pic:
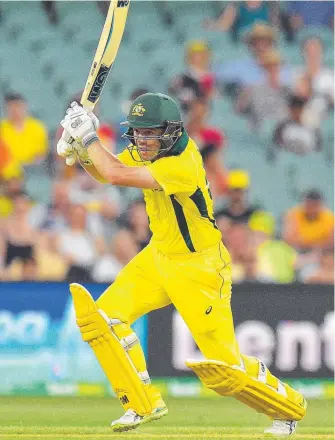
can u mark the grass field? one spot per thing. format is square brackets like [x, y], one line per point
[54, 418]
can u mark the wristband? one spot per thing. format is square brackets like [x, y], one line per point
[89, 139]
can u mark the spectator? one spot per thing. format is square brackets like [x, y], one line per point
[50, 265]
[309, 226]
[210, 141]
[9, 189]
[123, 249]
[198, 80]
[317, 80]
[20, 270]
[8, 166]
[249, 71]
[316, 106]
[321, 76]
[237, 17]
[310, 13]
[12, 188]
[81, 190]
[275, 259]
[292, 135]
[25, 136]
[324, 272]
[103, 202]
[103, 6]
[237, 240]
[55, 216]
[78, 246]
[237, 209]
[51, 11]
[18, 237]
[260, 101]
[137, 223]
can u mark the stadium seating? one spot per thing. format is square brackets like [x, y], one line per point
[49, 64]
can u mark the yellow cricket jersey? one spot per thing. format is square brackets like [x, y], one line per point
[316, 231]
[27, 145]
[181, 213]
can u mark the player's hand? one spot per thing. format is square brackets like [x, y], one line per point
[95, 120]
[71, 150]
[66, 148]
[80, 125]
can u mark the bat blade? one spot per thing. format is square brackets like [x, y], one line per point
[106, 52]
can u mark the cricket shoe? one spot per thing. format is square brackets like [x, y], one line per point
[281, 428]
[131, 420]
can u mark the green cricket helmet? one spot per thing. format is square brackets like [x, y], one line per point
[154, 110]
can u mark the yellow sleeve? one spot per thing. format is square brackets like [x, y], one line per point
[175, 174]
[126, 159]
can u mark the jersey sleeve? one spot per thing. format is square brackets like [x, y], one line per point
[174, 174]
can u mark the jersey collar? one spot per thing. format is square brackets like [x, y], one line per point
[180, 145]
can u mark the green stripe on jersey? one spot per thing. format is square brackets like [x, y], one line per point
[182, 223]
[199, 200]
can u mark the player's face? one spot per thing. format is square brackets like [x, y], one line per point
[148, 148]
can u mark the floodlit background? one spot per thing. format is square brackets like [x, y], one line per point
[255, 84]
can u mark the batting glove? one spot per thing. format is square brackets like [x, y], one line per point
[80, 125]
[66, 148]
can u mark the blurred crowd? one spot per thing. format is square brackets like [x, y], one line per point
[88, 231]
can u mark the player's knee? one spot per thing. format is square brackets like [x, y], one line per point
[122, 331]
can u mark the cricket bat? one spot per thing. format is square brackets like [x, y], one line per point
[106, 52]
[105, 55]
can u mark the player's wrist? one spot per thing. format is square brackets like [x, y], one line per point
[89, 139]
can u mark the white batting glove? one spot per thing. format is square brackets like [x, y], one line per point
[71, 150]
[66, 148]
[80, 125]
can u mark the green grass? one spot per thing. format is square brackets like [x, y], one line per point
[55, 418]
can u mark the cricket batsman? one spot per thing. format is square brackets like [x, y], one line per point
[185, 264]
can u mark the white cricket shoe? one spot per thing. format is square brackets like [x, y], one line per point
[131, 420]
[281, 428]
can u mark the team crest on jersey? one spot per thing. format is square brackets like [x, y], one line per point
[138, 110]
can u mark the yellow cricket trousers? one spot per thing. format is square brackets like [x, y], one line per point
[199, 286]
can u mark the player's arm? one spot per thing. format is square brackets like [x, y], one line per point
[116, 173]
[92, 171]
[98, 161]
[71, 151]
